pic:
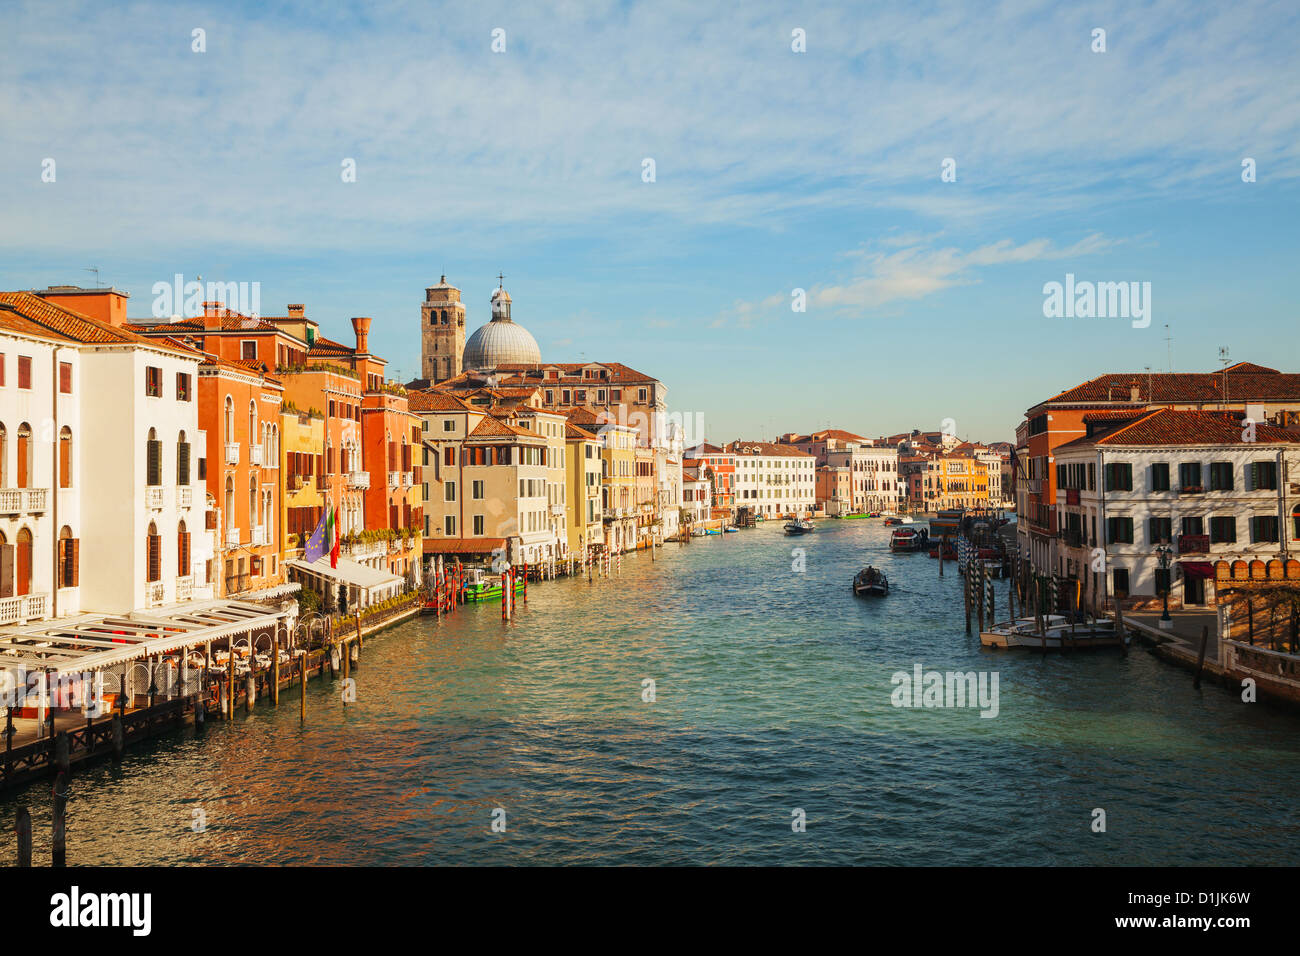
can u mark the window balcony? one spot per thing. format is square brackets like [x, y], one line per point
[185, 587]
[394, 479]
[232, 537]
[154, 496]
[232, 453]
[1191, 490]
[259, 534]
[17, 501]
[1193, 544]
[359, 479]
[557, 510]
[408, 478]
[26, 607]
[155, 593]
[184, 496]
[255, 454]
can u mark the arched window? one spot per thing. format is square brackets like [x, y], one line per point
[23, 563]
[252, 421]
[182, 459]
[444, 316]
[24, 470]
[153, 548]
[4, 457]
[1295, 513]
[69, 558]
[230, 419]
[230, 503]
[65, 457]
[153, 463]
[182, 549]
[252, 500]
[6, 567]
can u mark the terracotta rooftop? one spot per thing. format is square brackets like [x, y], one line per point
[434, 402]
[1181, 388]
[1168, 426]
[765, 448]
[24, 312]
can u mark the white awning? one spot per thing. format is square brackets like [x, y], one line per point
[92, 642]
[349, 572]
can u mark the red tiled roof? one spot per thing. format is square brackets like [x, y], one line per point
[1115, 415]
[491, 427]
[573, 431]
[1167, 426]
[1250, 368]
[1181, 388]
[64, 323]
[765, 448]
[432, 401]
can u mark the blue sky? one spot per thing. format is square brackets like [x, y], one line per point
[774, 170]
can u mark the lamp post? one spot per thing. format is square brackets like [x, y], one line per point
[1164, 553]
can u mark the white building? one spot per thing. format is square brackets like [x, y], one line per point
[99, 453]
[774, 480]
[874, 474]
[1181, 477]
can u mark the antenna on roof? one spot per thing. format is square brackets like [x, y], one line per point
[94, 269]
[1223, 357]
[1169, 347]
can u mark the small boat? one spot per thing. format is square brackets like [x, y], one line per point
[907, 539]
[860, 515]
[798, 526]
[1058, 634]
[870, 582]
[712, 531]
[731, 529]
[898, 519]
[481, 586]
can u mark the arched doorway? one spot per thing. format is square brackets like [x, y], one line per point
[153, 547]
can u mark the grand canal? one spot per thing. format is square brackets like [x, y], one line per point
[772, 693]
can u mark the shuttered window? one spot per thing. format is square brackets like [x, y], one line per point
[154, 455]
[153, 381]
[24, 371]
[154, 545]
[183, 463]
[1221, 476]
[65, 378]
[69, 556]
[183, 553]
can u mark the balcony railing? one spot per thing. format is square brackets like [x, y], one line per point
[25, 607]
[154, 496]
[557, 510]
[359, 479]
[254, 454]
[184, 496]
[184, 587]
[232, 453]
[394, 479]
[16, 501]
[232, 537]
[259, 534]
[407, 479]
[1191, 489]
[1193, 544]
[1072, 538]
[154, 593]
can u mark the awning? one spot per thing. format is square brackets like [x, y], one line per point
[348, 572]
[93, 642]
[1197, 569]
[463, 545]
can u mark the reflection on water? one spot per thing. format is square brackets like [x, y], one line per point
[773, 693]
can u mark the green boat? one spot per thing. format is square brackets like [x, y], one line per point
[480, 586]
[858, 516]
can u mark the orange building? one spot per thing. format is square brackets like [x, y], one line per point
[239, 409]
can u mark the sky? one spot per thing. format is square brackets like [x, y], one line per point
[774, 172]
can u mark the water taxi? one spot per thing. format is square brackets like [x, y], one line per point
[907, 539]
[798, 526]
[870, 582]
[1057, 634]
[481, 585]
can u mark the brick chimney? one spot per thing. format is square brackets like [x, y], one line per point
[213, 313]
[297, 310]
[361, 326]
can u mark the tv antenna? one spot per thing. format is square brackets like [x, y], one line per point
[1169, 346]
[94, 269]
[1223, 358]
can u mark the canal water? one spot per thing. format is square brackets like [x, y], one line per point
[772, 694]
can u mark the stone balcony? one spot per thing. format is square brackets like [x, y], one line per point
[19, 501]
[232, 453]
[232, 537]
[184, 496]
[255, 454]
[185, 587]
[359, 479]
[25, 607]
[155, 497]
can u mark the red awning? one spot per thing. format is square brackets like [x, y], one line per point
[1197, 569]
[463, 545]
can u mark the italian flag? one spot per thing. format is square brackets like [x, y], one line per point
[332, 537]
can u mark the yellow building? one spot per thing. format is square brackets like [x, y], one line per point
[618, 486]
[963, 480]
[302, 449]
[584, 518]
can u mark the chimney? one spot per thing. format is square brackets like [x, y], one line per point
[212, 315]
[361, 326]
[1133, 393]
[297, 310]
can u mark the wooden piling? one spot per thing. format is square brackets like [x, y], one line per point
[23, 830]
[62, 753]
[118, 737]
[1200, 658]
[965, 592]
[976, 570]
[1119, 624]
[275, 670]
[59, 856]
[302, 689]
[505, 595]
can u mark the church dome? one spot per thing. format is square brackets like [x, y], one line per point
[501, 341]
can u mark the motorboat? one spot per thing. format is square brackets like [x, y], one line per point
[798, 526]
[870, 582]
[483, 586]
[1058, 633]
[907, 539]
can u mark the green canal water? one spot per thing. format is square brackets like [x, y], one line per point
[773, 693]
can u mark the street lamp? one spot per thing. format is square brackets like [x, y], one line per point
[1165, 553]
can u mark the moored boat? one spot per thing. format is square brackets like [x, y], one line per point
[907, 539]
[1057, 633]
[870, 582]
[482, 586]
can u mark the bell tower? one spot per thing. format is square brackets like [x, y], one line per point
[442, 332]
